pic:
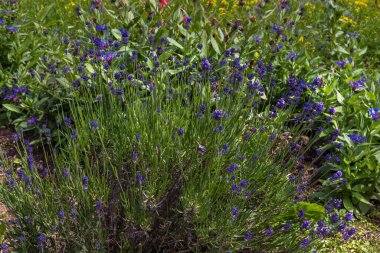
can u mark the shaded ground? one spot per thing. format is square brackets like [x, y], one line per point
[6, 148]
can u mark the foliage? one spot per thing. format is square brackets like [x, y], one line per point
[156, 113]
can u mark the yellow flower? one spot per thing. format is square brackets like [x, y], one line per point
[347, 20]
[361, 3]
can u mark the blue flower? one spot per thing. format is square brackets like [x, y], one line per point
[374, 113]
[101, 28]
[357, 138]
[12, 28]
[292, 56]
[341, 64]
[336, 175]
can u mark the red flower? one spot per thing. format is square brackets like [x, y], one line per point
[164, 2]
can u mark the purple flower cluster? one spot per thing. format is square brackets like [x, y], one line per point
[359, 84]
[356, 138]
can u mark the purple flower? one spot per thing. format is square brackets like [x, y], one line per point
[20, 173]
[244, 183]
[61, 216]
[351, 231]
[374, 113]
[235, 188]
[292, 56]
[94, 125]
[74, 135]
[235, 212]
[73, 214]
[31, 121]
[139, 178]
[348, 216]
[180, 131]
[329, 208]
[85, 183]
[348, 233]
[268, 231]
[42, 241]
[4, 248]
[305, 243]
[359, 84]
[342, 63]
[337, 203]
[301, 213]
[248, 236]
[334, 217]
[306, 225]
[336, 175]
[67, 121]
[101, 28]
[12, 28]
[281, 103]
[357, 139]
[331, 110]
[287, 226]
[232, 168]
[98, 206]
[218, 114]
[202, 149]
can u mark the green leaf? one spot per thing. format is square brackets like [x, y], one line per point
[362, 51]
[215, 45]
[175, 43]
[361, 198]
[348, 204]
[116, 33]
[342, 50]
[12, 107]
[360, 188]
[90, 68]
[339, 97]
[364, 208]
